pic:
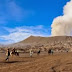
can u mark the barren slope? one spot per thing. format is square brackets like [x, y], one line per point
[39, 39]
[58, 43]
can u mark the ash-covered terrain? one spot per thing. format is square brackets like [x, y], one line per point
[57, 43]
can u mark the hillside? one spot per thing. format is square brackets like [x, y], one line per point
[44, 43]
[38, 39]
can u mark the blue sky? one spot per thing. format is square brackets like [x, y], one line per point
[21, 18]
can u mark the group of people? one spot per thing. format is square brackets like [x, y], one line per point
[8, 53]
[50, 51]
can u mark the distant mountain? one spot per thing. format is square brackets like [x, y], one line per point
[56, 42]
[38, 39]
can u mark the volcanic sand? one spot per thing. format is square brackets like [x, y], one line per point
[59, 62]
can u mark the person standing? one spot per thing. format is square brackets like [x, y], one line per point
[8, 54]
[31, 52]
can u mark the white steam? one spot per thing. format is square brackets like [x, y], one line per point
[62, 25]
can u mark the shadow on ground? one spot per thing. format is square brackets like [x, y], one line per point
[12, 62]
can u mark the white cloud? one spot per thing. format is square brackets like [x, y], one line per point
[62, 25]
[20, 33]
[24, 28]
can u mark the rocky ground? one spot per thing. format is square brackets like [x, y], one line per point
[59, 62]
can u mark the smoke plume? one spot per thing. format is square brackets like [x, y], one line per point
[62, 25]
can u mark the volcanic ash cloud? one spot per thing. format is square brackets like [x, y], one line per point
[62, 25]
